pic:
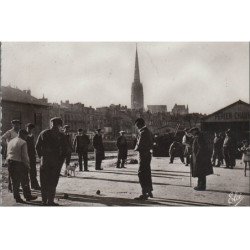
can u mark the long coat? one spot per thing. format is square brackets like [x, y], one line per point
[98, 146]
[200, 161]
[122, 146]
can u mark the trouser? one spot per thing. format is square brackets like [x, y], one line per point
[68, 158]
[144, 173]
[229, 157]
[49, 177]
[19, 175]
[187, 159]
[217, 155]
[120, 162]
[172, 158]
[33, 174]
[98, 159]
[202, 180]
[84, 156]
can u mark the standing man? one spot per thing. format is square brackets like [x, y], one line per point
[217, 150]
[81, 144]
[10, 134]
[229, 149]
[68, 141]
[187, 142]
[144, 146]
[51, 149]
[18, 165]
[200, 161]
[32, 156]
[99, 149]
[122, 146]
[6, 138]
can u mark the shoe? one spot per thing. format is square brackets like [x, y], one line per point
[31, 198]
[123, 167]
[86, 170]
[186, 164]
[53, 204]
[170, 162]
[20, 200]
[199, 188]
[150, 194]
[44, 203]
[80, 170]
[227, 167]
[99, 169]
[141, 198]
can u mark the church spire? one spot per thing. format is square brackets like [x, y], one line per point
[137, 72]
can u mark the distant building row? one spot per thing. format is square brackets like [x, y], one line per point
[20, 104]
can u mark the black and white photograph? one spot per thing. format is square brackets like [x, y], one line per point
[125, 124]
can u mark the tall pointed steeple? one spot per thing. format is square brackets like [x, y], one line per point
[137, 98]
[137, 71]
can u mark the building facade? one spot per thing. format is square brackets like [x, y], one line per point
[157, 109]
[21, 105]
[180, 110]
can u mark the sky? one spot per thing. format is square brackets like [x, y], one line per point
[206, 76]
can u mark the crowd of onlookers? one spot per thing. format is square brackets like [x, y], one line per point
[224, 149]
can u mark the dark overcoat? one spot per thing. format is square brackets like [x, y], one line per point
[200, 161]
[81, 143]
[122, 146]
[98, 146]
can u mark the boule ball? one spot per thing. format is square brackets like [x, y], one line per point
[98, 192]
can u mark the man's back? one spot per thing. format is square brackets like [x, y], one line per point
[51, 143]
[17, 150]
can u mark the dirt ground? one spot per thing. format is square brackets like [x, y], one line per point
[119, 187]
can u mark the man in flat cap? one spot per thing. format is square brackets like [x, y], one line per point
[32, 156]
[81, 144]
[201, 165]
[69, 148]
[6, 138]
[18, 165]
[99, 149]
[122, 146]
[144, 146]
[51, 149]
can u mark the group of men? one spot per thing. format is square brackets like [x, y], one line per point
[54, 147]
[224, 148]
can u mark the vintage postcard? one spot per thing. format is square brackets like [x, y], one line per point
[125, 124]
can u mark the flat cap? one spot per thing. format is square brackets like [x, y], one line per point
[98, 130]
[56, 120]
[66, 126]
[140, 121]
[30, 125]
[194, 129]
[16, 121]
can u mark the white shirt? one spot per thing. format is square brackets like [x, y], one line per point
[17, 151]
